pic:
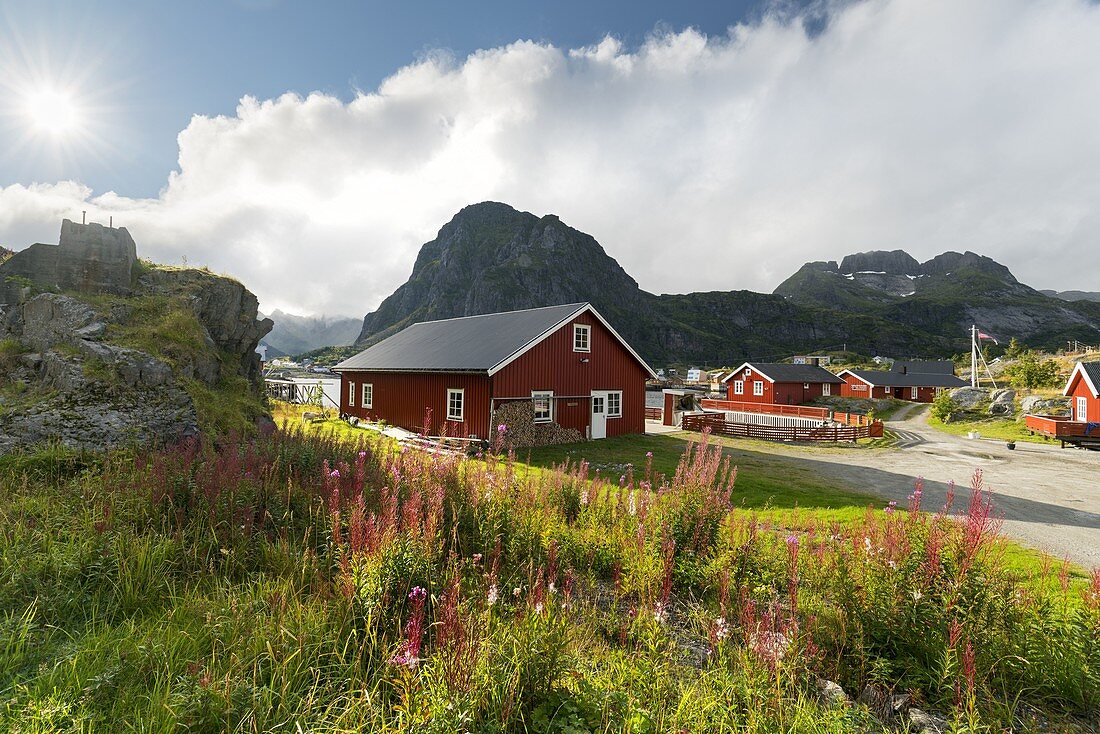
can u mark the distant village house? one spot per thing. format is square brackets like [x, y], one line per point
[916, 381]
[784, 384]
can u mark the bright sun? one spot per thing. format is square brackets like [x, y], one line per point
[52, 112]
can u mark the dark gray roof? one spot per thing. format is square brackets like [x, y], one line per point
[1092, 369]
[781, 372]
[897, 379]
[469, 343]
[919, 367]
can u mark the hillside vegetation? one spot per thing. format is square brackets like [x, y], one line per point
[298, 583]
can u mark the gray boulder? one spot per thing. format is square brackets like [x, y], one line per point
[831, 693]
[969, 398]
[1002, 402]
[927, 723]
[50, 319]
[1038, 405]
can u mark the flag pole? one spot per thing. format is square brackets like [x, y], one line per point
[973, 355]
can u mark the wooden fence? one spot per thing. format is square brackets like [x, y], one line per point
[654, 414]
[719, 426]
[798, 411]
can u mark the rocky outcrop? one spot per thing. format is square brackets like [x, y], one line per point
[1002, 402]
[970, 398]
[1038, 405]
[98, 373]
[226, 309]
[89, 258]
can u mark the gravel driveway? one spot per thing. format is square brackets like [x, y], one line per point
[1048, 497]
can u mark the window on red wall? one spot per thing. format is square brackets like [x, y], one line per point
[738, 387]
[758, 387]
[351, 394]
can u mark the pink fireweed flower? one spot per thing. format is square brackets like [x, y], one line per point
[649, 454]
[502, 428]
[891, 506]
[409, 652]
[494, 595]
[335, 474]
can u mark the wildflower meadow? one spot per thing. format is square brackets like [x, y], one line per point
[304, 582]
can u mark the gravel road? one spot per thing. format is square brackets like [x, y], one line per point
[1048, 497]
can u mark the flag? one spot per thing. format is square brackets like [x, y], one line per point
[983, 335]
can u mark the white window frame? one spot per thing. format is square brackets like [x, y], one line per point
[826, 389]
[366, 395]
[458, 417]
[618, 396]
[578, 330]
[738, 387]
[549, 395]
[805, 386]
[1081, 409]
[758, 387]
[351, 394]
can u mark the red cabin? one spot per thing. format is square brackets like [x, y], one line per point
[904, 385]
[567, 360]
[1082, 388]
[776, 383]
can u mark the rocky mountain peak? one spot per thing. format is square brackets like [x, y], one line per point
[953, 262]
[893, 262]
[491, 257]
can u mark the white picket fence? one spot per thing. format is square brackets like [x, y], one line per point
[767, 419]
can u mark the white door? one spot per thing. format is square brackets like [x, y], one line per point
[599, 415]
[1082, 409]
[914, 393]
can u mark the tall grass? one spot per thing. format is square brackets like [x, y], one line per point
[303, 582]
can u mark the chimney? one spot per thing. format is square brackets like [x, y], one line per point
[904, 369]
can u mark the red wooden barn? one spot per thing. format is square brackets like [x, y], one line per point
[566, 359]
[1084, 388]
[919, 382]
[783, 384]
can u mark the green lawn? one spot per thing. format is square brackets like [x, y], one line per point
[992, 427]
[773, 487]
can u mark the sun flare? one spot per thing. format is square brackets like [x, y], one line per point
[53, 112]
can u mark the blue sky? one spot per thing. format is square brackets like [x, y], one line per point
[149, 66]
[760, 135]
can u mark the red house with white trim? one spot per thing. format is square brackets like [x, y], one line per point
[1083, 388]
[918, 387]
[567, 359]
[777, 383]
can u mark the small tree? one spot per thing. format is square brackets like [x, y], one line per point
[1014, 349]
[943, 406]
[1028, 371]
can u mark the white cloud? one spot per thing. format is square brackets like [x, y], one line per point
[918, 124]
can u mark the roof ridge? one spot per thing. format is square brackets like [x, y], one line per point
[578, 306]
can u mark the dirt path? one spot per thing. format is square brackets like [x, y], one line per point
[1049, 497]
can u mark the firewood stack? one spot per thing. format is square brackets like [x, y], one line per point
[521, 431]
